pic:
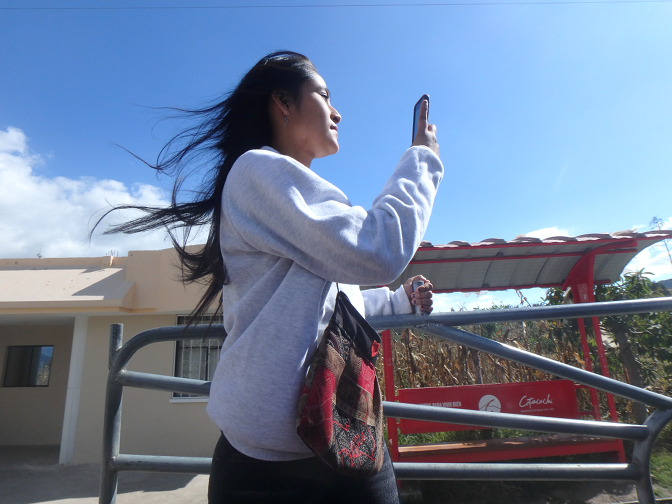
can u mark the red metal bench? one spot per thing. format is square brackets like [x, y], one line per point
[555, 398]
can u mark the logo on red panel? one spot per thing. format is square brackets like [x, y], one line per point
[533, 402]
[490, 403]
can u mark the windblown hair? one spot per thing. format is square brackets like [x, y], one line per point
[224, 131]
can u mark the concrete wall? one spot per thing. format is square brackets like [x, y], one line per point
[151, 424]
[34, 415]
[158, 284]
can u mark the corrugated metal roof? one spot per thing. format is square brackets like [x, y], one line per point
[524, 262]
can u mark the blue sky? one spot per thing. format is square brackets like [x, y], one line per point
[549, 116]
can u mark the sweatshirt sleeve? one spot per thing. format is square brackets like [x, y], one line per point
[383, 301]
[280, 207]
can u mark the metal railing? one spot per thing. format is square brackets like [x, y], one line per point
[441, 325]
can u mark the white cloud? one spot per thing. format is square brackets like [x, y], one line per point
[13, 140]
[485, 299]
[548, 232]
[52, 216]
[654, 259]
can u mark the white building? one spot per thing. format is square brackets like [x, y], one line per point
[55, 317]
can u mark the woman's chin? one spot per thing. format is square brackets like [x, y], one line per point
[333, 149]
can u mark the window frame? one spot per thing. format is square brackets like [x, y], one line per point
[6, 367]
[179, 397]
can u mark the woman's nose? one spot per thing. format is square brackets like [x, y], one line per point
[335, 116]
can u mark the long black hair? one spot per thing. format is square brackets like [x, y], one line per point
[224, 131]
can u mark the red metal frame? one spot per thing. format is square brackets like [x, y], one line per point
[581, 281]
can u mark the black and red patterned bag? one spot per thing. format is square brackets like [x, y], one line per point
[340, 416]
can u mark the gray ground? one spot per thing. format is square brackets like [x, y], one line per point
[32, 475]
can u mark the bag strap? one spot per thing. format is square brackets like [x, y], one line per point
[355, 328]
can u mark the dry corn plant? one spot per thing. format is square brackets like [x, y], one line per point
[422, 360]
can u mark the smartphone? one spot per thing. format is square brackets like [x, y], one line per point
[416, 114]
[417, 283]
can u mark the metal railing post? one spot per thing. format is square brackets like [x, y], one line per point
[641, 454]
[116, 337]
[112, 423]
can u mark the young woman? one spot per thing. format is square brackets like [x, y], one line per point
[281, 240]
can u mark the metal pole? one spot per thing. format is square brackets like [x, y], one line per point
[514, 421]
[517, 472]
[116, 337]
[525, 314]
[154, 463]
[641, 455]
[112, 423]
[160, 382]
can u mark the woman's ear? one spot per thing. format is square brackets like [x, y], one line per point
[280, 100]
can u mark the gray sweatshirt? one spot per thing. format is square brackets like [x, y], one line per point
[287, 236]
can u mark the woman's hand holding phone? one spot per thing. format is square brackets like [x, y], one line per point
[426, 133]
[420, 297]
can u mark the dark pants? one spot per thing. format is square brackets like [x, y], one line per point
[236, 478]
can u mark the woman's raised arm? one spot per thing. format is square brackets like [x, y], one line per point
[280, 207]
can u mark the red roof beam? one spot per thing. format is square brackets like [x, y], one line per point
[513, 258]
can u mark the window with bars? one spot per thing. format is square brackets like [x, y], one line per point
[197, 359]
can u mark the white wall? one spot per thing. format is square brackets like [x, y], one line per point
[34, 415]
[151, 424]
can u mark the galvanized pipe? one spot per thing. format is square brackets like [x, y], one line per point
[162, 382]
[426, 471]
[153, 463]
[423, 412]
[641, 455]
[554, 312]
[116, 337]
[111, 423]
[159, 334]
[402, 321]
[512, 421]
[517, 472]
